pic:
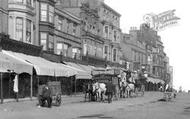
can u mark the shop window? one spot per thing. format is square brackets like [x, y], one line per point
[28, 31]
[19, 29]
[43, 41]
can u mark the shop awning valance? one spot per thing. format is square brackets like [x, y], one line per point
[45, 67]
[8, 63]
[82, 74]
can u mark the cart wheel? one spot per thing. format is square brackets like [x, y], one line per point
[58, 99]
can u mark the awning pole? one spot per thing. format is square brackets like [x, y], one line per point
[18, 89]
[31, 86]
[75, 85]
[1, 87]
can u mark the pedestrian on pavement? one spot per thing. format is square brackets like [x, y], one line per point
[46, 95]
[109, 91]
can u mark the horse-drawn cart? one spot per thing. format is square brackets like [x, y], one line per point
[103, 76]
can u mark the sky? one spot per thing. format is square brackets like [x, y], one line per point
[175, 38]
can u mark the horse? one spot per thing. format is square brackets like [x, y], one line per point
[99, 89]
[130, 88]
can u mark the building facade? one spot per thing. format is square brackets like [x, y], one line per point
[4, 16]
[111, 32]
[133, 50]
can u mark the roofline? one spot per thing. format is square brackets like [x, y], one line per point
[105, 5]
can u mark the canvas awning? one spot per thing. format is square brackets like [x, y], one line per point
[82, 74]
[10, 63]
[155, 80]
[44, 67]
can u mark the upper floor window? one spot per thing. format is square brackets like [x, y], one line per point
[60, 23]
[106, 31]
[44, 11]
[106, 50]
[19, 28]
[16, 1]
[74, 28]
[114, 55]
[115, 35]
[51, 13]
[43, 41]
[47, 12]
[28, 31]
[51, 43]
[25, 2]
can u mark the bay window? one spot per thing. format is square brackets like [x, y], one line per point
[51, 44]
[43, 41]
[51, 14]
[28, 31]
[19, 28]
[44, 10]
[59, 48]
[47, 13]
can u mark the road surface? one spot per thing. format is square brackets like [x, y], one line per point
[147, 107]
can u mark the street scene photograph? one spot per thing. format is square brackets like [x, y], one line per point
[94, 59]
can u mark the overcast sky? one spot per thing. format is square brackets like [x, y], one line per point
[175, 38]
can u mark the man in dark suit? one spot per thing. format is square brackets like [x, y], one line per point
[45, 96]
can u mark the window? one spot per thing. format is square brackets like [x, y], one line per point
[114, 54]
[59, 24]
[51, 13]
[16, 1]
[106, 31]
[28, 31]
[74, 28]
[44, 12]
[59, 48]
[19, 28]
[43, 37]
[51, 44]
[115, 36]
[74, 53]
[65, 50]
[47, 12]
[106, 50]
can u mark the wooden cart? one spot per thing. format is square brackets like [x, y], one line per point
[103, 76]
[55, 87]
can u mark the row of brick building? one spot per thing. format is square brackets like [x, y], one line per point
[81, 31]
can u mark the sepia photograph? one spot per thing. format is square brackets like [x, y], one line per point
[94, 59]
